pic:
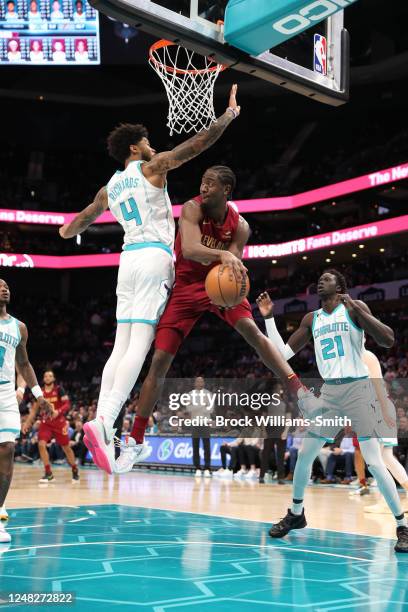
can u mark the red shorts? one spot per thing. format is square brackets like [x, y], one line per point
[186, 305]
[57, 428]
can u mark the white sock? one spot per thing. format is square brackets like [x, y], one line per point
[126, 372]
[297, 507]
[371, 452]
[401, 522]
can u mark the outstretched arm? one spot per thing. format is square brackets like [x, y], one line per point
[361, 314]
[169, 160]
[87, 216]
[297, 340]
[189, 228]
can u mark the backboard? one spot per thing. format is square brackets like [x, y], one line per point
[197, 25]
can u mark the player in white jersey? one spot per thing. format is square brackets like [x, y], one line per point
[337, 330]
[13, 343]
[138, 199]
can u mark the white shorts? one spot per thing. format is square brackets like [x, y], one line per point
[354, 400]
[386, 435]
[145, 280]
[9, 414]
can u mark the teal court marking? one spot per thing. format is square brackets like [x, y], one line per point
[115, 556]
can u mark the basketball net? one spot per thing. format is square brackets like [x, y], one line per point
[189, 79]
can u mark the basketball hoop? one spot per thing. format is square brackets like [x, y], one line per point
[189, 79]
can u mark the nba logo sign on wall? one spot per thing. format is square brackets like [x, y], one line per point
[320, 54]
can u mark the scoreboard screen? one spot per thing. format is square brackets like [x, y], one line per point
[48, 32]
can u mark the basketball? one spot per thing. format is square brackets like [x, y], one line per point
[224, 290]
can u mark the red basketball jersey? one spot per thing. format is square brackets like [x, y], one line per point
[213, 236]
[54, 397]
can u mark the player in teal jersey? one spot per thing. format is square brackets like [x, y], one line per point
[337, 330]
[137, 197]
[13, 350]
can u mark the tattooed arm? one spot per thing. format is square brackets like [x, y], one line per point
[87, 216]
[169, 160]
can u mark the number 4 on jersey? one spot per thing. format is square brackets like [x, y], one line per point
[130, 211]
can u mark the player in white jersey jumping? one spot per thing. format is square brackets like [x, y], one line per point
[13, 349]
[337, 330]
[138, 199]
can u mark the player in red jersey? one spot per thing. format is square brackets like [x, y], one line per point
[211, 231]
[53, 426]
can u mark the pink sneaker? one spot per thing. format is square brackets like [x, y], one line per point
[100, 445]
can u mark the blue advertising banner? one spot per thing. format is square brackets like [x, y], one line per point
[179, 450]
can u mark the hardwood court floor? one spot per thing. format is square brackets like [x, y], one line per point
[327, 507]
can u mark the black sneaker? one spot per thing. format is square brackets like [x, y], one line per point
[75, 476]
[402, 544]
[47, 478]
[261, 480]
[289, 522]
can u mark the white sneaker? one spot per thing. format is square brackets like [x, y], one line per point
[240, 475]
[3, 514]
[130, 453]
[4, 535]
[100, 442]
[219, 473]
[207, 474]
[251, 475]
[360, 491]
[198, 474]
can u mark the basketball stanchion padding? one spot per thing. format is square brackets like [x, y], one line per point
[255, 26]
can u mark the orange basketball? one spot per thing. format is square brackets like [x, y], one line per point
[224, 291]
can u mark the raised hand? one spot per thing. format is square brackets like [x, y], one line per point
[233, 101]
[265, 305]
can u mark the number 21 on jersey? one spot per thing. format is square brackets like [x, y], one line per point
[332, 347]
[130, 211]
[2, 354]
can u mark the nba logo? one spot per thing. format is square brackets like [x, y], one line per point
[320, 54]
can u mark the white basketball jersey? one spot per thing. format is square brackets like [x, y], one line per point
[144, 211]
[9, 340]
[339, 345]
